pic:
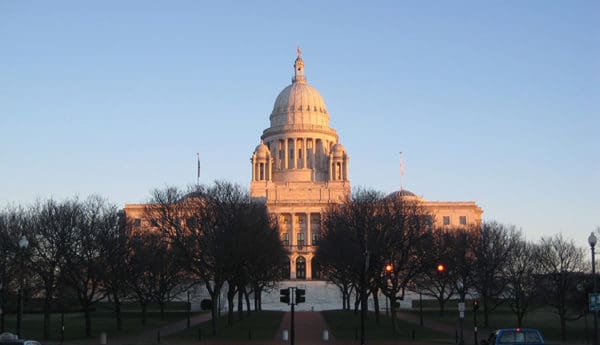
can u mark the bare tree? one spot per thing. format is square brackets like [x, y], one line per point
[262, 252]
[363, 235]
[405, 228]
[562, 266]
[492, 252]
[114, 243]
[214, 229]
[523, 273]
[52, 223]
[438, 283]
[11, 227]
[85, 260]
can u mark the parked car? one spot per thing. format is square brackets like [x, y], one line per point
[518, 336]
[12, 339]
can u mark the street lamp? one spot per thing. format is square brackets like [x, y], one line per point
[592, 240]
[461, 311]
[388, 276]
[23, 244]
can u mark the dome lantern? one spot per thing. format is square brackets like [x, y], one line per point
[299, 68]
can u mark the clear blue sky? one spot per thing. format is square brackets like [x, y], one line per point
[491, 101]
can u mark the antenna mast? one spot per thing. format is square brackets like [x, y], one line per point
[401, 172]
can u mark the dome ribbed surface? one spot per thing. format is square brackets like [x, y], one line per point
[299, 97]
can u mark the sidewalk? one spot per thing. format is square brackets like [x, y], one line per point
[309, 328]
[148, 337]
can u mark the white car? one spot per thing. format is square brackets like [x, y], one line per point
[12, 339]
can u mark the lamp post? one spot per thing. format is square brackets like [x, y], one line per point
[1, 309]
[363, 298]
[23, 244]
[388, 277]
[581, 288]
[188, 308]
[461, 311]
[592, 240]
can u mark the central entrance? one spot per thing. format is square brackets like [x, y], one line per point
[300, 268]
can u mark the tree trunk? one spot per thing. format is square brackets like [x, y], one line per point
[486, 319]
[162, 309]
[88, 321]
[118, 315]
[376, 305]
[230, 296]
[240, 306]
[213, 313]
[47, 313]
[393, 312]
[563, 327]
[144, 313]
[441, 302]
[247, 295]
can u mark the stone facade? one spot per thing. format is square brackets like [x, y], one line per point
[299, 168]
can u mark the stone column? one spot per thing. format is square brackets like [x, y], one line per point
[308, 266]
[253, 160]
[271, 163]
[347, 162]
[285, 153]
[309, 229]
[304, 151]
[293, 266]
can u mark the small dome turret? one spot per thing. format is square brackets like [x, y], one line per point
[262, 151]
[338, 150]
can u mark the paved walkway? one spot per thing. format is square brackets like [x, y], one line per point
[148, 337]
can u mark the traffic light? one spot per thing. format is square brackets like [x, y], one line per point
[300, 296]
[285, 296]
[475, 304]
[441, 268]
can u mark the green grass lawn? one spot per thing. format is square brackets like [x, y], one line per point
[259, 325]
[345, 324]
[542, 318]
[102, 321]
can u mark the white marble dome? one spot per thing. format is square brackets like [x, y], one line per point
[299, 97]
[299, 104]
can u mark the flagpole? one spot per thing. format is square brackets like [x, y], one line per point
[198, 173]
[401, 172]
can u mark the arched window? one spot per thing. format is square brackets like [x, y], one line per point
[300, 268]
[286, 270]
[316, 268]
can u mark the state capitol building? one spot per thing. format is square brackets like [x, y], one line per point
[300, 168]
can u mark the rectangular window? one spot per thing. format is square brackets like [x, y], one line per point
[285, 239]
[315, 239]
[300, 238]
[154, 223]
[137, 222]
[463, 220]
[446, 220]
[429, 222]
